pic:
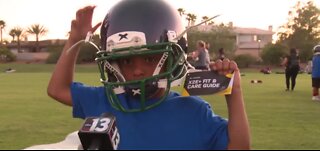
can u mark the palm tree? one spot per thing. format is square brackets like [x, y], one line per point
[205, 18]
[191, 18]
[12, 34]
[2, 25]
[211, 22]
[189, 15]
[181, 11]
[38, 30]
[18, 32]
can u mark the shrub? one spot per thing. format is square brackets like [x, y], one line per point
[244, 60]
[6, 55]
[272, 54]
[87, 53]
[55, 52]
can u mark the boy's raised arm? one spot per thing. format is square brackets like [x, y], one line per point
[62, 76]
[238, 125]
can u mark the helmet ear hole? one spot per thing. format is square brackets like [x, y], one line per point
[182, 42]
[164, 36]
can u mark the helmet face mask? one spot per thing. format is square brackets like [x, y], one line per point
[172, 61]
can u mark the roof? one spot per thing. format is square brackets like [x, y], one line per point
[241, 30]
[257, 31]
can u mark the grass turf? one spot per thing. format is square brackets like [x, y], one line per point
[278, 119]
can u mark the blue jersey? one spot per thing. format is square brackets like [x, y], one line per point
[178, 123]
[316, 66]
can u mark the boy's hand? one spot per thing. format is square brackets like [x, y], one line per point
[225, 67]
[82, 24]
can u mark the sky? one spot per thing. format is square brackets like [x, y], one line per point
[56, 15]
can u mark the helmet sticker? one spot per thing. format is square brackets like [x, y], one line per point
[125, 39]
[172, 35]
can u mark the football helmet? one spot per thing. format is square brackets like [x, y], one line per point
[139, 28]
[316, 49]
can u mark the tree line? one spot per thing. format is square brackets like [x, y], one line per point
[17, 33]
[302, 31]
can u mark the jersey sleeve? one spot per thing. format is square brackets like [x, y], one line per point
[87, 101]
[214, 129]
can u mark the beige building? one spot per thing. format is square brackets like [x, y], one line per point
[28, 47]
[249, 40]
[252, 40]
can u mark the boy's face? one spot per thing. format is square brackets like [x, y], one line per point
[140, 67]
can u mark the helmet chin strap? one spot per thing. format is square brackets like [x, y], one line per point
[162, 83]
[114, 68]
[151, 87]
[88, 39]
[160, 63]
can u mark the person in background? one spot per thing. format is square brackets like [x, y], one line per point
[266, 70]
[201, 56]
[292, 68]
[308, 68]
[316, 73]
[207, 46]
[221, 54]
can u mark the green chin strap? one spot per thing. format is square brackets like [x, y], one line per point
[175, 69]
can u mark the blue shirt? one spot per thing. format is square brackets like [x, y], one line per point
[316, 66]
[178, 123]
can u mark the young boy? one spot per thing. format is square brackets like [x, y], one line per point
[316, 73]
[140, 60]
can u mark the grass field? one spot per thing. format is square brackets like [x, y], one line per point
[278, 119]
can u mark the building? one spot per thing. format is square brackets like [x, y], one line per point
[28, 47]
[248, 40]
[252, 40]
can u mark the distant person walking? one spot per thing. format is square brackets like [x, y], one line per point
[316, 73]
[291, 63]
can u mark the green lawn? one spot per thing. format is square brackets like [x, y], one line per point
[278, 119]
